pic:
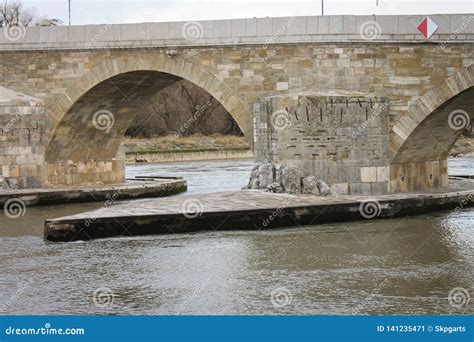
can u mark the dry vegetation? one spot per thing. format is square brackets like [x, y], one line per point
[196, 142]
[185, 108]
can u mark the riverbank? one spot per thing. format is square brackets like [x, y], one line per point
[178, 149]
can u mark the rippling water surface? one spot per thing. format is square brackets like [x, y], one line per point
[398, 266]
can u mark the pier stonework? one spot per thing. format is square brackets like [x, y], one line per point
[22, 140]
[93, 79]
[340, 138]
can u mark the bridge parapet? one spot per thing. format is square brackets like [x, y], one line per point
[452, 28]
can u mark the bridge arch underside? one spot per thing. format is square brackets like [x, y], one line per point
[421, 161]
[84, 148]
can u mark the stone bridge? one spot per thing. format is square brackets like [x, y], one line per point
[376, 97]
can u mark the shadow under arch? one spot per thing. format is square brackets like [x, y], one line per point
[97, 110]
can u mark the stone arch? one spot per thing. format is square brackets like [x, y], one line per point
[160, 63]
[426, 106]
[78, 152]
[421, 140]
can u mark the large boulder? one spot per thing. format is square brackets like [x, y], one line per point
[275, 187]
[291, 179]
[277, 170]
[309, 185]
[254, 178]
[265, 175]
[323, 188]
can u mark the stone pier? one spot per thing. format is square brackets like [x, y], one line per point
[22, 140]
[338, 137]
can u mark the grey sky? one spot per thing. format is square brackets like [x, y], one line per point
[123, 11]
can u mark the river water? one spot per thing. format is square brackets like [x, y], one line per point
[398, 266]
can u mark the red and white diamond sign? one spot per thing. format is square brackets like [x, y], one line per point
[427, 27]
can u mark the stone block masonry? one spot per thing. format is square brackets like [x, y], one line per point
[22, 140]
[340, 137]
[74, 71]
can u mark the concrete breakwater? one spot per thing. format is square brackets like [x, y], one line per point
[166, 156]
[16, 200]
[250, 210]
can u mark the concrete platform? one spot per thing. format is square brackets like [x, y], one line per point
[248, 210]
[138, 188]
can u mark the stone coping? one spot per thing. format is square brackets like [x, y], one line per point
[453, 28]
[115, 192]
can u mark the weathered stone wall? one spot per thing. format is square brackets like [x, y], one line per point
[341, 138]
[401, 72]
[22, 140]
[236, 76]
